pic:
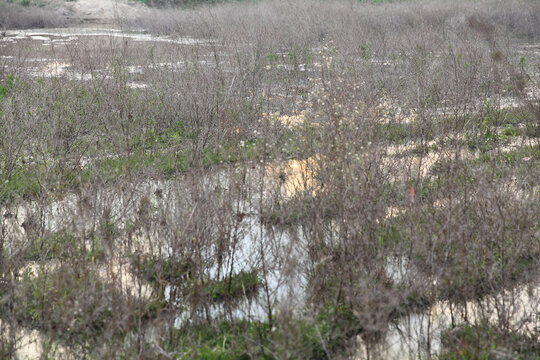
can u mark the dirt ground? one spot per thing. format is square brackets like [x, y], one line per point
[96, 11]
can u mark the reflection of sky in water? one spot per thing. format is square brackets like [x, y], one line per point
[409, 337]
[53, 67]
[279, 269]
[72, 33]
[294, 177]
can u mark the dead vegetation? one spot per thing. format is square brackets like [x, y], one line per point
[14, 16]
[342, 180]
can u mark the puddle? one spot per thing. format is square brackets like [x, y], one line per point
[294, 177]
[278, 269]
[132, 69]
[32, 345]
[134, 85]
[59, 69]
[116, 272]
[287, 120]
[412, 335]
[73, 33]
[398, 269]
[299, 67]
[419, 335]
[171, 66]
[119, 272]
[40, 38]
[282, 251]
[53, 69]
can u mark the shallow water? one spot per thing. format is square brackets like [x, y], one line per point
[32, 345]
[56, 60]
[419, 335]
[72, 34]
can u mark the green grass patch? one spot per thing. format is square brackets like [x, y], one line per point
[28, 181]
[244, 284]
[64, 246]
[72, 303]
[398, 133]
[180, 273]
[526, 155]
[156, 270]
[23, 183]
[485, 341]
[223, 340]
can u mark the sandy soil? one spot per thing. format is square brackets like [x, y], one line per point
[96, 11]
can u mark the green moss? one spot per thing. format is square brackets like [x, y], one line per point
[171, 161]
[232, 152]
[484, 139]
[532, 129]
[170, 164]
[509, 131]
[180, 273]
[387, 235]
[124, 165]
[27, 181]
[152, 308]
[7, 86]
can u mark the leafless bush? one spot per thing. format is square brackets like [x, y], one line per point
[17, 17]
[306, 188]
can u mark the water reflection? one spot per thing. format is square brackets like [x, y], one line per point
[418, 335]
[294, 177]
[71, 34]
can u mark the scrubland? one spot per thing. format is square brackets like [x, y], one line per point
[273, 180]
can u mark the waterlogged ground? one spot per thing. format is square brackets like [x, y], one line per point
[256, 190]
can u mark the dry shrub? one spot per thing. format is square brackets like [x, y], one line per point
[411, 194]
[16, 17]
